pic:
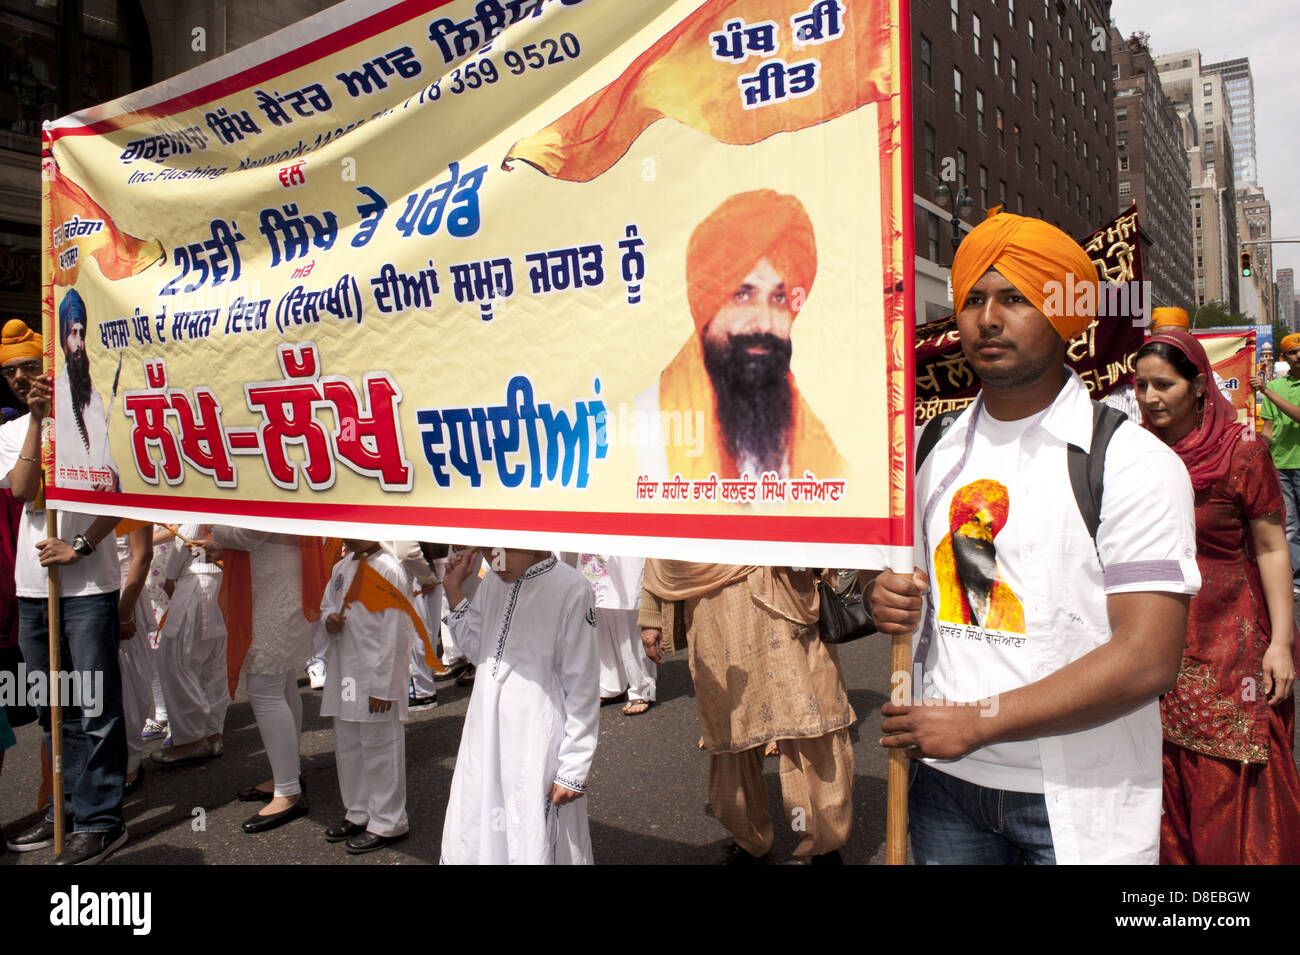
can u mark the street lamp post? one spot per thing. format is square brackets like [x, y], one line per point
[961, 206]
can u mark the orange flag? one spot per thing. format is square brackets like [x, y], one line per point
[377, 594]
[737, 70]
[80, 227]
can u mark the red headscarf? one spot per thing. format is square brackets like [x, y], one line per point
[1207, 449]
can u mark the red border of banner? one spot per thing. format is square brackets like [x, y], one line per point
[722, 527]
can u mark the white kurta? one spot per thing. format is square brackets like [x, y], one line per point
[372, 651]
[533, 720]
[616, 584]
[135, 661]
[281, 634]
[193, 644]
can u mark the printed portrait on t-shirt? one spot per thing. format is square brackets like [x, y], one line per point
[972, 588]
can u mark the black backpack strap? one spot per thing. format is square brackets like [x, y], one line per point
[1087, 469]
[931, 433]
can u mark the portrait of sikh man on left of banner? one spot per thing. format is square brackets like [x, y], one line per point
[82, 451]
[750, 266]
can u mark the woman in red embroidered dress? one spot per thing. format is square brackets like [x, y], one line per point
[1231, 790]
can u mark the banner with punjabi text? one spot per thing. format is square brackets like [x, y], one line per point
[568, 274]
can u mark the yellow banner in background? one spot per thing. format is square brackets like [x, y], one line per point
[601, 276]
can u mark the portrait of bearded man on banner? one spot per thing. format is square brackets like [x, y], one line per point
[82, 451]
[750, 266]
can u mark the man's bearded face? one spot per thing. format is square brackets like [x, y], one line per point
[77, 363]
[747, 353]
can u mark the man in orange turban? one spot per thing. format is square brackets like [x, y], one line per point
[1169, 317]
[1068, 667]
[749, 268]
[20, 357]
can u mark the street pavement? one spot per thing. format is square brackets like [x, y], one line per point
[648, 799]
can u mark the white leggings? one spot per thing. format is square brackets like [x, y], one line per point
[278, 710]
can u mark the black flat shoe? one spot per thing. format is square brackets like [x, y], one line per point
[259, 823]
[343, 830]
[369, 842]
[136, 783]
[253, 794]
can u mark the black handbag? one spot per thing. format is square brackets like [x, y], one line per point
[843, 617]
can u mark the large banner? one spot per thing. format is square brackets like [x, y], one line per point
[1102, 354]
[1232, 359]
[626, 277]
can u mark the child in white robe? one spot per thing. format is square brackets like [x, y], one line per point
[134, 656]
[365, 691]
[519, 791]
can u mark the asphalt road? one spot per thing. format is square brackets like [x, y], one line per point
[648, 789]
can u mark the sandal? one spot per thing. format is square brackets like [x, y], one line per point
[636, 707]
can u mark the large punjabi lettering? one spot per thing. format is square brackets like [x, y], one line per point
[822, 21]
[737, 41]
[304, 102]
[159, 147]
[301, 307]
[367, 439]
[370, 77]
[556, 270]
[483, 282]
[181, 431]
[396, 291]
[460, 38]
[231, 127]
[291, 235]
[777, 81]
[424, 210]
[370, 212]
[215, 258]
[522, 438]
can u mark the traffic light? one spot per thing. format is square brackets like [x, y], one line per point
[1245, 264]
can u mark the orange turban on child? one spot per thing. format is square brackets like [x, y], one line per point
[19, 341]
[726, 246]
[1030, 254]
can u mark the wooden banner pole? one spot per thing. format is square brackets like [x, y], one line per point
[56, 704]
[900, 765]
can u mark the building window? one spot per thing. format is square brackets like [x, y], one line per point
[932, 238]
[1002, 194]
[1020, 204]
[1209, 147]
[956, 90]
[1048, 49]
[1207, 89]
[998, 120]
[997, 57]
[1060, 72]
[1056, 188]
[1124, 188]
[1087, 205]
[1033, 95]
[1015, 136]
[979, 109]
[984, 188]
[930, 159]
[1114, 71]
[961, 165]
[1015, 77]
[1011, 13]
[1038, 163]
[1121, 115]
[1067, 187]
[1123, 160]
[952, 5]
[926, 51]
[1200, 262]
[976, 32]
[1198, 222]
[1029, 24]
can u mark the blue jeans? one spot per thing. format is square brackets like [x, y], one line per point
[1291, 497]
[94, 744]
[953, 822]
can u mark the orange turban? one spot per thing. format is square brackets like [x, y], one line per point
[978, 496]
[726, 246]
[1032, 255]
[19, 341]
[1289, 342]
[1176, 317]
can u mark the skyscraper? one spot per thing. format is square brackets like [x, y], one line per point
[1240, 89]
